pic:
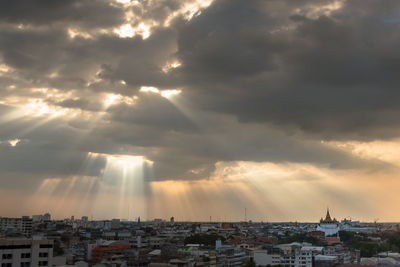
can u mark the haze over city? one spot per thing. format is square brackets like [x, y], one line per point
[199, 108]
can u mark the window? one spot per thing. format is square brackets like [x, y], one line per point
[42, 263]
[43, 255]
[46, 246]
[25, 264]
[7, 256]
[6, 265]
[25, 255]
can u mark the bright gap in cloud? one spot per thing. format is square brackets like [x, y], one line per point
[38, 108]
[164, 93]
[149, 89]
[111, 99]
[14, 142]
[4, 68]
[170, 93]
[315, 11]
[127, 31]
[124, 161]
[170, 66]
[73, 33]
[188, 10]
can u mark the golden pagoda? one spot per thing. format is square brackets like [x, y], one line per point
[328, 218]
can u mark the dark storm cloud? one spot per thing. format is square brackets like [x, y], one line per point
[331, 75]
[154, 111]
[98, 64]
[260, 80]
[86, 13]
[192, 154]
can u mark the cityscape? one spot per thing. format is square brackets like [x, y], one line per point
[41, 241]
[199, 133]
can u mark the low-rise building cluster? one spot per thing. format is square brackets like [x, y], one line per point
[40, 241]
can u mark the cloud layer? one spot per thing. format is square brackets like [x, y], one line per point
[277, 82]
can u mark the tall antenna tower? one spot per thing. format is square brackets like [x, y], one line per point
[245, 214]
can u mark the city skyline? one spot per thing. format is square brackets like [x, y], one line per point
[199, 108]
[205, 221]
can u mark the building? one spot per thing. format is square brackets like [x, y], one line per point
[291, 255]
[41, 218]
[115, 223]
[37, 218]
[328, 225]
[108, 248]
[356, 226]
[22, 225]
[325, 261]
[47, 217]
[26, 253]
[265, 257]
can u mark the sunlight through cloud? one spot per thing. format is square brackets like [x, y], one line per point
[112, 99]
[127, 31]
[170, 66]
[170, 93]
[164, 93]
[149, 89]
[4, 68]
[14, 142]
[123, 180]
[73, 33]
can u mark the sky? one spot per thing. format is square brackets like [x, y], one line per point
[200, 109]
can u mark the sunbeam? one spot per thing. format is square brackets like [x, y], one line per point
[123, 180]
